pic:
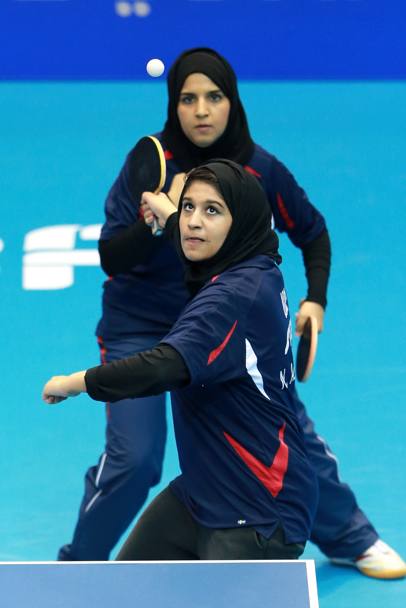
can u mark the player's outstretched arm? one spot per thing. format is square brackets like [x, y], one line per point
[147, 373]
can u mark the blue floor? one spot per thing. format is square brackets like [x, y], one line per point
[61, 146]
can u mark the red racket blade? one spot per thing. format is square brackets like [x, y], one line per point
[306, 350]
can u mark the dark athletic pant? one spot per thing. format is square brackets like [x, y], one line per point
[116, 488]
[167, 531]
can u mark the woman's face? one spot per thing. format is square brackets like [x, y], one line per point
[203, 110]
[204, 221]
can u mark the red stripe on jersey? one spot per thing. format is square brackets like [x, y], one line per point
[168, 155]
[252, 171]
[284, 212]
[217, 351]
[216, 276]
[271, 477]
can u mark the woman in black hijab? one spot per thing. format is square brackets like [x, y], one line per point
[235, 143]
[251, 231]
[246, 490]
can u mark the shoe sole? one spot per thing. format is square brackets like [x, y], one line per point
[371, 573]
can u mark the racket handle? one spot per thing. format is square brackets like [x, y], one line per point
[155, 229]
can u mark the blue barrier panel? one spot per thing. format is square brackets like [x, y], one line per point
[280, 584]
[264, 39]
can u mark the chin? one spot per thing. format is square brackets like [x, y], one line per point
[203, 143]
[194, 256]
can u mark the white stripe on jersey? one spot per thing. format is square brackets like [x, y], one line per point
[252, 368]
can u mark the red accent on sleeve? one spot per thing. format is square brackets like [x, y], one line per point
[252, 171]
[217, 351]
[284, 212]
[168, 155]
[216, 276]
[271, 477]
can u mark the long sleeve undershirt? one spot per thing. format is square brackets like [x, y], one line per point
[317, 261]
[134, 245]
[148, 373]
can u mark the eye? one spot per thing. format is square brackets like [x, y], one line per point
[216, 96]
[186, 99]
[212, 210]
[186, 206]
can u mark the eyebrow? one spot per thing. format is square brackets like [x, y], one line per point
[193, 93]
[208, 201]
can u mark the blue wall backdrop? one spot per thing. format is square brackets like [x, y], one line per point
[278, 39]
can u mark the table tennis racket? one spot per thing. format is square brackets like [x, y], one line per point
[147, 171]
[306, 350]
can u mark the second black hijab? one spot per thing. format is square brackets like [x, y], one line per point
[235, 143]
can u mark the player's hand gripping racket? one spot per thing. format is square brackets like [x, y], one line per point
[306, 350]
[147, 171]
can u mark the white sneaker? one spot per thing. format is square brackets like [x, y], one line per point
[379, 561]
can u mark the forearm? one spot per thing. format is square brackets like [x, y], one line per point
[149, 373]
[133, 246]
[317, 261]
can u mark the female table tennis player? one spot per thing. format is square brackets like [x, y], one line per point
[246, 489]
[146, 294]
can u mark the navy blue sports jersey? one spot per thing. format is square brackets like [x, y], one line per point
[241, 448]
[150, 298]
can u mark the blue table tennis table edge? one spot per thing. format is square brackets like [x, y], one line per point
[309, 565]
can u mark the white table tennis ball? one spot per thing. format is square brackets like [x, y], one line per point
[155, 68]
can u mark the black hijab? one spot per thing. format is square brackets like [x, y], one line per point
[235, 143]
[250, 233]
